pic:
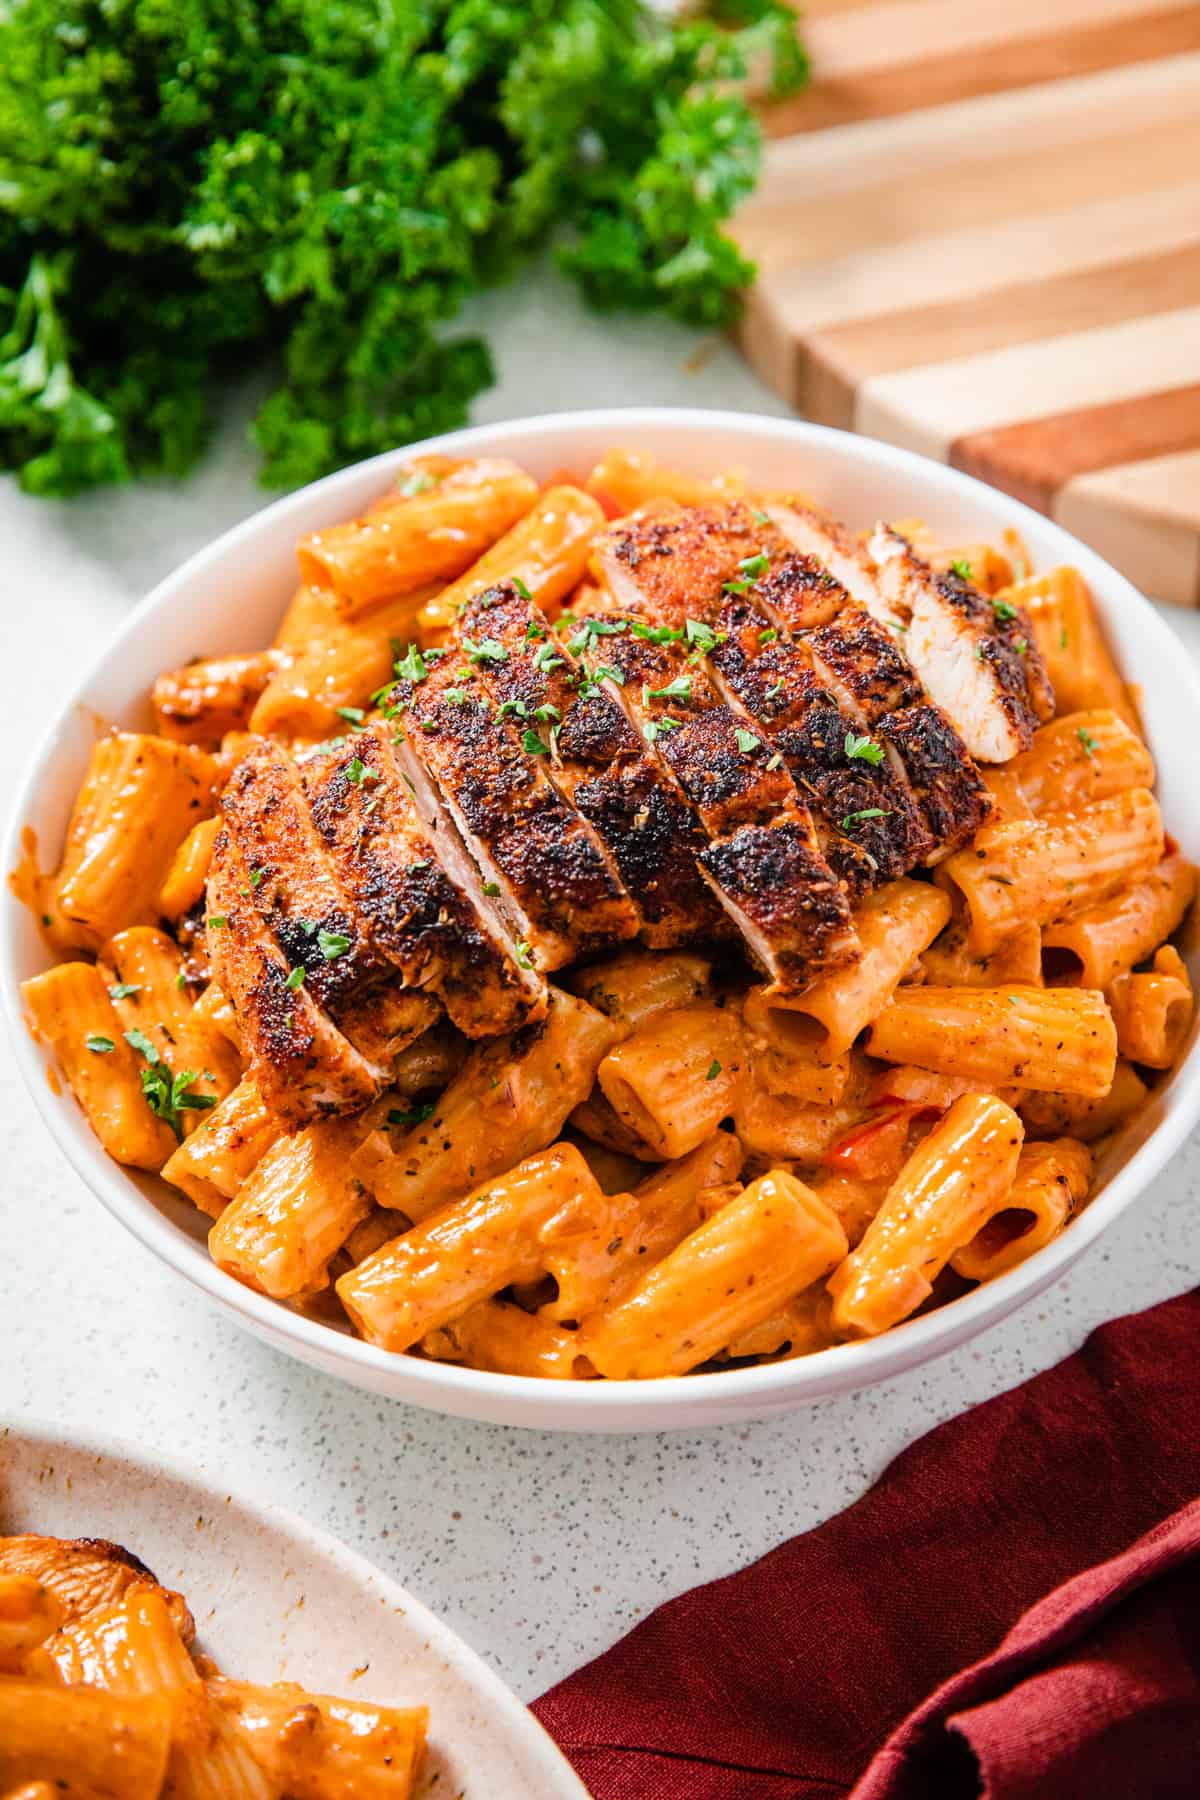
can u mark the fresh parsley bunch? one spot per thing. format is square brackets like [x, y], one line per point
[189, 187]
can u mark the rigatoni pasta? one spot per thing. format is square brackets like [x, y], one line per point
[843, 850]
[106, 1699]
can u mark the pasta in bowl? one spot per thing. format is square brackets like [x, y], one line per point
[646, 959]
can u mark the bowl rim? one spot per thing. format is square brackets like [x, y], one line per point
[741, 1393]
[44, 1435]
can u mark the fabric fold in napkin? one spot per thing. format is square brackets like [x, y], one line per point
[923, 1643]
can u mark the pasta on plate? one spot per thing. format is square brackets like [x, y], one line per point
[624, 926]
[104, 1693]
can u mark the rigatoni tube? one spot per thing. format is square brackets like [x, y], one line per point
[1055, 866]
[731, 1274]
[958, 1177]
[1058, 1040]
[1050, 1182]
[469, 1250]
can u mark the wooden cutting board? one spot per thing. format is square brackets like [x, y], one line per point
[978, 235]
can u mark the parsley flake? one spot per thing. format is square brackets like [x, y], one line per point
[714, 1069]
[332, 944]
[961, 567]
[416, 1116]
[412, 665]
[296, 979]
[863, 749]
[1089, 743]
[746, 741]
[521, 952]
[121, 990]
[656, 634]
[487, 650]
[868, 812]
[1004, 610]
[98, 1044]
[524, 592]
[354, 715]
[534, 745]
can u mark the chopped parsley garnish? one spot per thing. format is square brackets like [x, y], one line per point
[332, 944]
[296, 979]
[513, 706]
[216, 921]
[1021, 646]
[257, 877]
[414, 868]
[749, 569]
[774, 690]
[491, 889]
[775, 762]
[354, 771]
[121, 990]
[863, 749]
[98, 1044]
[762, 517]
[534, 631]
[521, 952]
[1088, 741]
[546, 711]
[961, 567]
[656, 634]
[417, 1116]
[606, 672]
[524, 592]
[1063, 639]
[545, 660]
[165, 1094]
[457, 696]
[714, 1069]
[419, 482]
[703, 637]
[746, 741]
[868, 812]
[679, 689]
[769, 636]
[655, 729]
[1004, 611]
[354, 715]
[592, 629]
[412, 665]
[534, 745]
[487, 650]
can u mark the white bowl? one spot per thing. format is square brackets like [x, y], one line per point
[275, 1599]
[230, 596]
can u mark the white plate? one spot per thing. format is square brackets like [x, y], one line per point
[277, 1600]
[230, 597]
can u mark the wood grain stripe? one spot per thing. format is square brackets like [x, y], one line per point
[1032, 461]
[952, 269]
[890, 182]
[973, 72]
[931, 408]
[833, 363]
[1145, 517]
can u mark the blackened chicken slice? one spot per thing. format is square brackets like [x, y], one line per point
[763, 859]
[605, 769]
[874, 830]
[434, 930]
[667, 565]
[553, 887]
[535, 683]
[977, 657]
[304, 1064]
[861, 662]
[291, 883]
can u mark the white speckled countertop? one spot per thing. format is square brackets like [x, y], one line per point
[539, 1549]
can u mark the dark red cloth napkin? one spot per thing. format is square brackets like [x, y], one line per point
[788, 1680]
